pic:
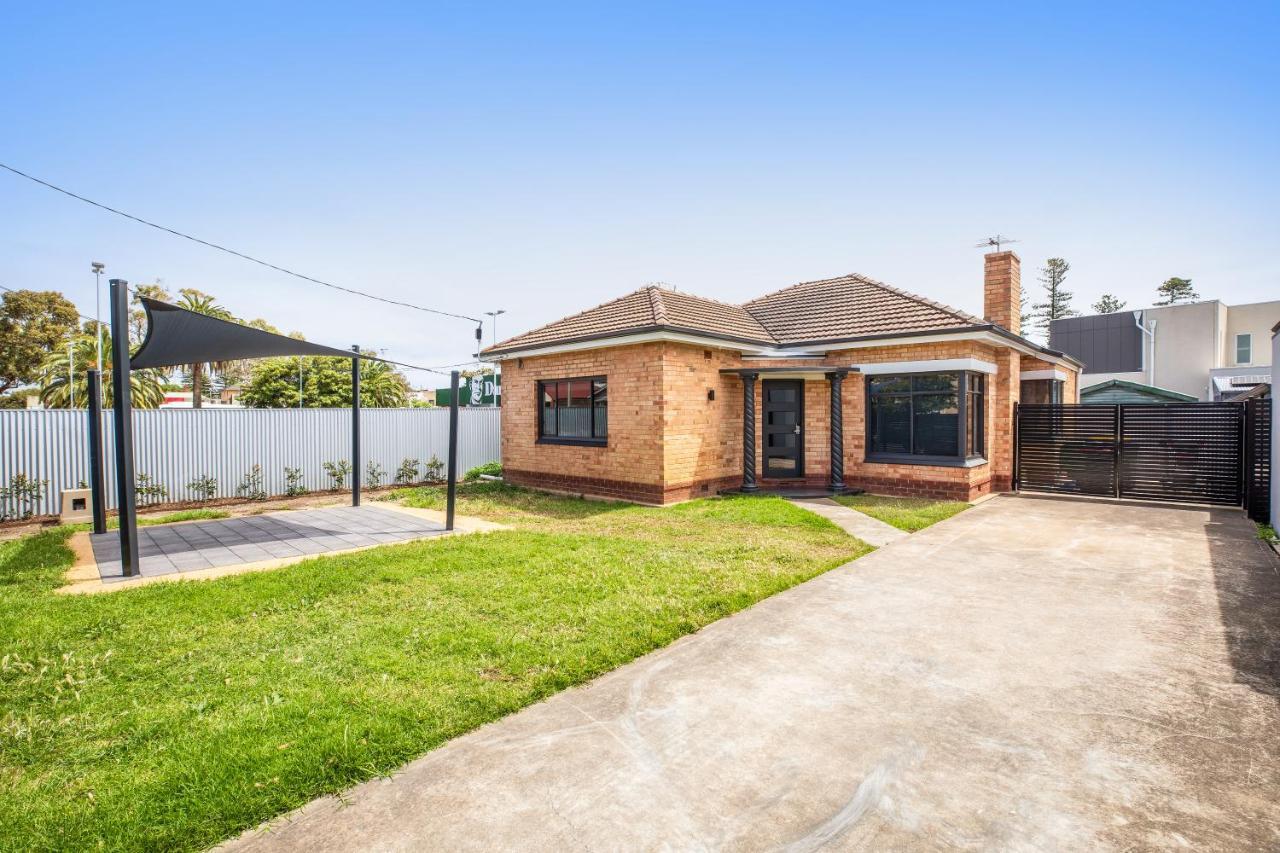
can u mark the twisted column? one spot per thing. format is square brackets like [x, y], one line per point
[836, 378]
[749, 432]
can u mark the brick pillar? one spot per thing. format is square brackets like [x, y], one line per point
[1002, 290]
[836, 378]
[749, 432]
[1004, 390]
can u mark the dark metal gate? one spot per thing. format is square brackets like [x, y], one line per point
[1184, 452]
[1257, 460]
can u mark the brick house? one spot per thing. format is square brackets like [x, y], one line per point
[660, 396]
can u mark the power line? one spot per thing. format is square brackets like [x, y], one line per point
[242, 255]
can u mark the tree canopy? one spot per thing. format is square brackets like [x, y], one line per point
[33, 323]
[1176, 290]
[1108, 304]
[326, 383]
[1057, 303]
[59, 388]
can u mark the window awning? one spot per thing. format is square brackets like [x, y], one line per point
[176, 336]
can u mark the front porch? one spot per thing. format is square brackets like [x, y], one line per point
[785, 431]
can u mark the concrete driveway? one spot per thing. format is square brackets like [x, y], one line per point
[1033, 674]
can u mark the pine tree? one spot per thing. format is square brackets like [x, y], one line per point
[1108, 304]
[1058, 305]
[1176, 290]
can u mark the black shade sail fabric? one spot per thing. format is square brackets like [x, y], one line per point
[176, 336]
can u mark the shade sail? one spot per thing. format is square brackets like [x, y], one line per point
[176, 336]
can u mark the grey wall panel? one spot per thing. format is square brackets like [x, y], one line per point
[175, 446]
[1106, 343]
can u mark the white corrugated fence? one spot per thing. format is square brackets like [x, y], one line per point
[175, 446]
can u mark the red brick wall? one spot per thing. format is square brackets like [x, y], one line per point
[630, 466]
[668, 441]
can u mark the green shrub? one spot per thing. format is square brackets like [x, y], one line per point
[491, 469]
[435, 469]
[19, 497]
[373, 475]
[149, 491]
[293, 482]
[407, 473]
[204, 486]
[251, 486]
[338, 472]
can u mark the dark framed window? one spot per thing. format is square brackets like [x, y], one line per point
[574, 411]
[928, 418]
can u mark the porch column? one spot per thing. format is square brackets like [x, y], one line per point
[836, 378]
[749, 432]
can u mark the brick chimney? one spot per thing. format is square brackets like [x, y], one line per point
[1002, 290]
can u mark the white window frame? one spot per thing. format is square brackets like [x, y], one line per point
[1248, 337]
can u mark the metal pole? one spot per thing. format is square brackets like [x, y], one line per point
[122, 410]
[355, 427]
[97, 268]
[97, 487]
[452, 487]
[71, 371]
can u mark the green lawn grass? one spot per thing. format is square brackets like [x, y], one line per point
[172, 716]
[909, 514]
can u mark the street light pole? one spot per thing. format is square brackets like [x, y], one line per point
[97, 267]
[494, 315]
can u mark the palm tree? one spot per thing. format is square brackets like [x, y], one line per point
[146, 387]
[382, 386]
[202, 303]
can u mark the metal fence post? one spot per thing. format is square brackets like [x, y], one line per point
[122, 409]
[97, 487]
[355, 426]
[452, 486]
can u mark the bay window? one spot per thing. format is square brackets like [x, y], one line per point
[574, 411]
[927, 418]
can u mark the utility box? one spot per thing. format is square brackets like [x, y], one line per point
[77, 505]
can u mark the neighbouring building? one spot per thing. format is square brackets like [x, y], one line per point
[660, 396]
[1209, 350]
[1118, 391]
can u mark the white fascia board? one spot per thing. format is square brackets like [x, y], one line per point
[937, 365]
[981, 337]
[1060, 375]
[773, 354]
[628, 340]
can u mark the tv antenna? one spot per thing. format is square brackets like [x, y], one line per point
[995, 242]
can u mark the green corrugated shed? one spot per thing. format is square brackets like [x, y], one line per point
[1115, 391]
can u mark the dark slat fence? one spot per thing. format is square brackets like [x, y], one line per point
[1211, 453]
[1067, 448]
[1187, 452]
[1257, 460]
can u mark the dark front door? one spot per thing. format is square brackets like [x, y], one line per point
[783, 428]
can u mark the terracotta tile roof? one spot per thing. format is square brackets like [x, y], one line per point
[848, 307]
[831, 309]
[647, 309]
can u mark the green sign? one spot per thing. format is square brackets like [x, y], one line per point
[483, 389]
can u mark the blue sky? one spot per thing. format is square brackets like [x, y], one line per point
[545, 159]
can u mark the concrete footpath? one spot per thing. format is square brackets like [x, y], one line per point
[873, 531]
[1032, 674]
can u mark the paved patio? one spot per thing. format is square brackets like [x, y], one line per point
[197, 545]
